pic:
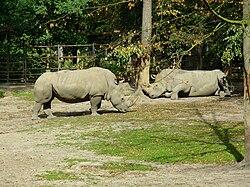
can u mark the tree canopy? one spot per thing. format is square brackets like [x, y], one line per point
[180, 27]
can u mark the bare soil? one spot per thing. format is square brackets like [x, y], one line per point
[23, 154]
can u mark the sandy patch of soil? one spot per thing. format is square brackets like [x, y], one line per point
[22, 157]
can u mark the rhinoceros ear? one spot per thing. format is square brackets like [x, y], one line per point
[126, 89]
[116, 82]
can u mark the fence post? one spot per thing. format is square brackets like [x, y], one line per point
[25, 65]
[59, 56]
[93, 54]
[8, 64]
[93, 49]
[47, 59]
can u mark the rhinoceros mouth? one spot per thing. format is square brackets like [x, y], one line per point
[149, 94]
[123, 111]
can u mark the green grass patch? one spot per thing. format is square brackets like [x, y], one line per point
[73, 161]
[163, 133]
[193, 142]
[1, 93]
[24, 94]
[58, 175]
[122, 167]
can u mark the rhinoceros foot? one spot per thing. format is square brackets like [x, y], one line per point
[174, 97]
[224, 94]
[51, 117]
[35, 118]
[94, 114]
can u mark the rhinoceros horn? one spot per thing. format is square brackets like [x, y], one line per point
[153, 76]
[133, 98]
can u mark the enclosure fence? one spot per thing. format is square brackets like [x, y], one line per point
[26, 64]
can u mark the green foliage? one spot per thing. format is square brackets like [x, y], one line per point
[233, 44]
[124, 53]
[70, 7]
[178, 26]
[120, 59]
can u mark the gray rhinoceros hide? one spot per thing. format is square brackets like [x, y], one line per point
[93, 84]
[172, 82]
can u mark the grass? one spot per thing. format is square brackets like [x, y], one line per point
[196, 143]
[58, 175]
[122, 167]
[2, 93]
[162, 133]
[155, 133]
[24, 94]
[118, 166]
[73, 161]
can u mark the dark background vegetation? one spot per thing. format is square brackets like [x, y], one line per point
[115, 25]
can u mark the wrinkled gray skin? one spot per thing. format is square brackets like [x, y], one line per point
[93, 84]
[172, 82]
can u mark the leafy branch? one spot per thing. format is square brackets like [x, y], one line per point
[196, 42]
[94, 8]
[241, 22]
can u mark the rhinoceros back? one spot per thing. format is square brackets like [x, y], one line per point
[74, 86]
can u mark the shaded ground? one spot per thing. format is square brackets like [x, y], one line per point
[23, 154]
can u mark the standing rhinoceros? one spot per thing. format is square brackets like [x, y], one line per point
[93, 84]
[171, 82]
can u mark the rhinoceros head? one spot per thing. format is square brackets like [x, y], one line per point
[154, 90]
[123, 96]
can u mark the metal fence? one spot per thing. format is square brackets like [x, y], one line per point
[25, 64]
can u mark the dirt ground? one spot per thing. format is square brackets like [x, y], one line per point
[22, 157]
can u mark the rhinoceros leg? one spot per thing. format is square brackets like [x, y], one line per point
[37, 107]
[180, 87]
[168, 94]
[47, 109]
[95, 105]
[225, 86]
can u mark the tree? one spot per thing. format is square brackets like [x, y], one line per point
[246, 54]
[146, 42]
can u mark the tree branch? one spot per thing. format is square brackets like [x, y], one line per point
[242, 22]
[219, 26]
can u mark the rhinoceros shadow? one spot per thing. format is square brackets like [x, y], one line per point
[83, 113]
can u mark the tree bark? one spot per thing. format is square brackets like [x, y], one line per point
[199, 58]
[146, 42]
[246, 54]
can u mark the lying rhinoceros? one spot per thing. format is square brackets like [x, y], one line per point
[172, 82]
[93, 84]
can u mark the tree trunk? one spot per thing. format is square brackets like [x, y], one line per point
[246, 54]
[146, 42]
[199, 58]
